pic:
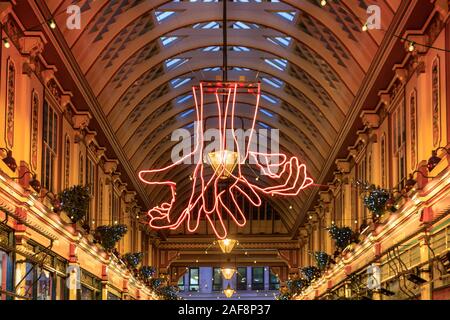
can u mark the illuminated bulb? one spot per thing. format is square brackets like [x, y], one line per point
[356, 221]
[310, 217]
[137, 217]
[196, 261]
[290, 207]
[6, 44]
[190, 178]
[257, 178]
[411, 47]
[116, 222]
[246, 253]
[93, 221]
[52, 24]
[228, 273]
[227, 245]
[332, 222]
[323, 3]
[254, 261]
[364, 27]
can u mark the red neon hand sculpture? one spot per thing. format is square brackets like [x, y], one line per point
[289, 175]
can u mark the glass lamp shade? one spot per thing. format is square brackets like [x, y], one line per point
[228, 273]
[223, 162]
[227, 245]
[228, 292]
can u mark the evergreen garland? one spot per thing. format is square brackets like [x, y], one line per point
[108, 236]
[167, 292]
[284, 296]
[342, 236]
[376, 200]
[297, 285]
[133, 259]
[155, 283]
[311, 273]
[74, 201]
[147, 272]
[323, 260]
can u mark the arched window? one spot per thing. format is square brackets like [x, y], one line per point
[100, 201]
[10, 103]
[67, 162]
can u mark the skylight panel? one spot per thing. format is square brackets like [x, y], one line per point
[241, 49]
[185, 98]
[267, 113]
[211, 25]
[186, 113]
[276, 83]
[179, 82]
[168, 40]
[212, 48]
[212, 69]
[285, 41]
[288, 15]
[279, 64]
[190, 125]
[264, 125]
[162, 15]
[240, 25]
[269, 98]
[240, 69]
[175, 62]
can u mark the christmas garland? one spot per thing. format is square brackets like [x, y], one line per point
[342, 236]
[74, 201]
[133, 259]
[108, 236]
[311, 273]
[323, 260]
[376, 201]
[147, 272]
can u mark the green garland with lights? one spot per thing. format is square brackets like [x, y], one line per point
[74, 201]
[342, 236]
[376, 201]
[108, 236]
[323, 260]
[132, 260]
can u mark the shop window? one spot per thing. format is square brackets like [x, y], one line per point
[181, 283]
[44, 287]
[49, 146]
[194, 279]
[274, 282]
[91, 287]
[217, 279]
[241, 279]
[112, 296]
[257, 278]
[6, 275]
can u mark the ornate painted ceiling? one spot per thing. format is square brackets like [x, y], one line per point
[141, 58]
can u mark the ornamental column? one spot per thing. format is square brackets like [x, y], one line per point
[21, 238]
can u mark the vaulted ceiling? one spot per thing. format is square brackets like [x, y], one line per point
[142, 57]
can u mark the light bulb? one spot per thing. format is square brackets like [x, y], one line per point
[52, 24]
[6, 43]
[364, 27]
[411, 47]
[323, 3]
